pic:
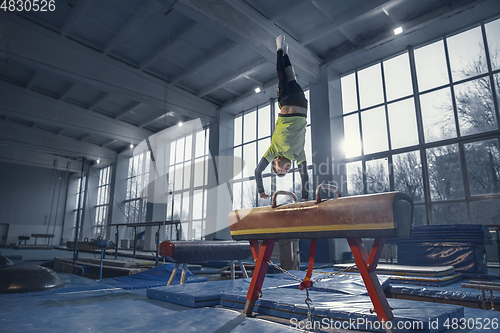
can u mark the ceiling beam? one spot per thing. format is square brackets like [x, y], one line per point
[110, 142]
[367, 9]
[230, 78]
[274, 31]
[267, 87]
[85, 137]
[73, 17]
[127, 110]
[249, 27]
[322, 10]
[38, 108]
[232, 91]
[152, 120]
[290, 4]
[217, 53]
[33, 79]
[125, 28]
[67, 92]
[409, 27]
[32, 157]
[16, 135]
[80, 64]
[250, 78]
[99, 100]
[168, 45]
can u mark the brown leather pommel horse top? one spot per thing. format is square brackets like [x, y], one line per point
[376, 216]
[369, 216]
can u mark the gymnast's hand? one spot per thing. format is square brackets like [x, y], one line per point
[304, 200]
[263, 195]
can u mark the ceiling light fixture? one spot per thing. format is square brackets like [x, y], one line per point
[131, 145]
[398, 30]
[98, 161]
[257, 90]
[180, 124]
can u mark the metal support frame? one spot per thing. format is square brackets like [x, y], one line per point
[157, 241]
[366, 263]
[484, 286]
[142, 224]
[174, 273]
[263, 255]
[243, 270]
[117, 234]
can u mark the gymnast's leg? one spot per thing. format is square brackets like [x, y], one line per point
[280, 69]
[293, 86]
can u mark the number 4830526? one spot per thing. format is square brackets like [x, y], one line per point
[28, 5]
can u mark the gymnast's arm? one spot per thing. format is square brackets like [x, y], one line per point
[304, 176]
[258, 177]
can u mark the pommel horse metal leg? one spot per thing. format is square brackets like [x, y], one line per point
[366, 266]
[263, 255]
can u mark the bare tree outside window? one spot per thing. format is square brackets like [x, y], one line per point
[407, 169]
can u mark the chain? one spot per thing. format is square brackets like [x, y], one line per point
[308, 299]
[284, 270]
[309, 317]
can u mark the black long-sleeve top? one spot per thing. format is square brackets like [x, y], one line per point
[302, 171]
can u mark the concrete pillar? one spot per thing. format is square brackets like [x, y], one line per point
[119, 194]
[220, 172]
[327, 135]
[326, 122]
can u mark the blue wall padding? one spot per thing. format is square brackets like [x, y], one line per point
[476, 233]
[211, 251]
[208, 293]
[289, 303]
[464, 256]
[460, 245]
[153, 277]
[455, 232]
[452, 292]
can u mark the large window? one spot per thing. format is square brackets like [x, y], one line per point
[101, 209]
[426, 122]
[136, 198]
[252, 137]
[80, 195]
[188, 184]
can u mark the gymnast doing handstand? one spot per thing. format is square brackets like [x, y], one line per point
[288, 139]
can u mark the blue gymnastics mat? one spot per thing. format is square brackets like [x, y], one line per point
[208, 293]
[221, 320]
[339, 309]
[345, 283]
[154, 277]
[451, 292]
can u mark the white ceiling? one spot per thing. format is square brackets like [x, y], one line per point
[94, 76]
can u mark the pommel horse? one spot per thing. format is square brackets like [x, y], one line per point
[379, 216]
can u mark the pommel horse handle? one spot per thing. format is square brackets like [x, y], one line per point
[328, 187]
[275, 194]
